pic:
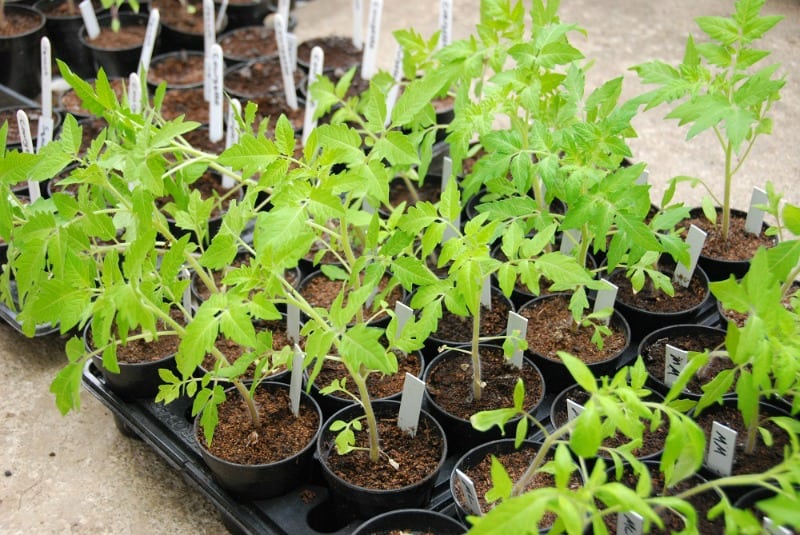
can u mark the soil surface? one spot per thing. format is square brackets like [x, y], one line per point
[187, 19]
[339, 52]
[259, 78]
[418, 456]
[552, 329]
[10, 116]
[398, 192]
[272, 106]
[379, 386]
[248, 43]
[458, 329]
[654, 300]
[741, 245]
[128, 36]
[450, 383]
[280, 436]
[138, 351]
[320, 291]
[187, 102]
[233, 350]
[19, 22]
[63, 9]
[180, 69]
[654, 356]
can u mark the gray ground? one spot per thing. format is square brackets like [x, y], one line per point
[77, 474]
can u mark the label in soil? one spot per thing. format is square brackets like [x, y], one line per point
[518, 328]
[410, 404]
[232, 126]
[283, 9]
[286, 67]
[188, 304]
[719, 457]
[394, 91]
[292, 322]
[27, 146]
[209, 39]
[44, 134]
[755, 215]
[768, 527]
[134, 93]
[89, 19]
[473, 504]
[683, 274]
[223, 9]
[486, 293]
[149, 44]
[445, 22]
[403, 313]
[675, 361]
[296, 381]
[358, 24]
[629, 523]
[315, 67]
[644, 178]
[216, 100]
[370, 55]
[293, 42]
[570, 239]
[573, 410]
[605, 298]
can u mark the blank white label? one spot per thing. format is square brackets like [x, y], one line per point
[403, 313]
[755, 216]
[771, 528]
[721, 447]
[149, 44]
[134, 93]
[573, 410]
[296, 380]
[293, 322]
[683, 274]
[89, 19]
[410, 404]
[675, 361]
[517, 326]
[570, 239]
[358, 24]
[315, 69]
[606, 298]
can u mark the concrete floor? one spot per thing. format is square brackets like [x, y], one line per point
[77, 474]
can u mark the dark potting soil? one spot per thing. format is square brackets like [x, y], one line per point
[187, 19]
[320, 291]
[250, 42]
[259, 78]
[187, 102]
[741, 245]
[673, 521]
[19, 23]
[339, 52]
[515, 464]
[91, 128]
[454, 328]
[399, 192]
[233, 350]
[763, 457]
[63, 10]
[178, 69]
[128, 36]
[198, 139]
[552, 329]
[281, 435]
[654, 300]
[654, 356]
[450, 383]
[379, 385]
[140, 350]
[417, 456]
[652, 439]
[71, 102]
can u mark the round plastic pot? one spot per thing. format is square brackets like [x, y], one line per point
[118, 62]
[411, 521]
[19, 55]
[61, 30]
[353, 501]
[262, 481]
[182, 57]
[461, 436]
[245, 13]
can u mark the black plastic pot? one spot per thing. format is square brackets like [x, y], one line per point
[411, 521]
[643, 321]
[332, 45]
[352, 501]
[555, 373]
[20, 54]
[461, 436]
[256, 35]
[61, 30]
[243, 12]
[262, 481]
[750, 500]
[182, 57]
[662, 336]
[117, 63]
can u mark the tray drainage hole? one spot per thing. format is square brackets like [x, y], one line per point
[325, 518]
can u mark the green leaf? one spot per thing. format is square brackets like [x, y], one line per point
[501, 482]
[579, 371]
[397, 149]
[720, 29]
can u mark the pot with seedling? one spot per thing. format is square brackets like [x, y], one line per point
[114, 40]
[64, 21]
[721, 86]
[21, 30]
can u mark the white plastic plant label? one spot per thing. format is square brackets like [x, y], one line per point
[223, 10]
[216, 98]
[315, 67]
[675, 360]
[44, 134]
[25, 140]
[644, 178]
[149, 44]
[570, 239]
[369, 58]
[574, 409]
[486, 293]
[606, 298]
[394, 91]
[293, 322]
[292, 42]
[134, 93]
[683, 274]
[403, 313]
[283, 9]
[296, 380]
[769, 527]
[755, 215]
[518, 327]
[410, 404]
[445, 22]
[629, 523]
[209, 39]
[231, 124]
[473, 504]
[358, 24]
[720, 454]
[188, 303]
[286, 68]
[89, 19]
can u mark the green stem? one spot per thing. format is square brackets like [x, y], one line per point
[369, 413]
[547, 445]
[726, 201]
